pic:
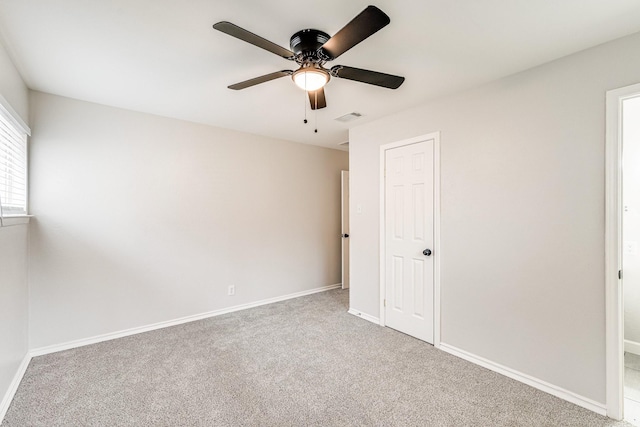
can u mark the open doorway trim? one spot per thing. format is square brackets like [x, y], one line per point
[435, 136]
[613, 244]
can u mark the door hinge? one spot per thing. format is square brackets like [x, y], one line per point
[385, 302]
[619, 274]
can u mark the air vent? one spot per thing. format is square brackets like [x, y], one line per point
[349, 117]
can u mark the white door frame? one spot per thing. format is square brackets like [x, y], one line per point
[613, 248]
[435, 136]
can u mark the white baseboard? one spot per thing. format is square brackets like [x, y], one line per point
[13, 387]
[365, 316]
[632, 347]
[127, 332]
[567, 395]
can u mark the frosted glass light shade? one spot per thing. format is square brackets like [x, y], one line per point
[310, 79]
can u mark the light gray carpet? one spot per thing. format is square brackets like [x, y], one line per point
[302, 362]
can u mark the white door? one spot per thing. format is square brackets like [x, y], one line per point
[409, 238]
[345, 229]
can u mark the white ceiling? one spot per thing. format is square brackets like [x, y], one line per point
[164, 57]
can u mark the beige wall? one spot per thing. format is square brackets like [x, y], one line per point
[12, 88]
[14, 303]
[141, 219]
[522, 216]
[13, 255]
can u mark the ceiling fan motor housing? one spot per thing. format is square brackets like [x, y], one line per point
[306, 43]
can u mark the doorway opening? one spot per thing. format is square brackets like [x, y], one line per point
[623, 254]
[344, 210]
[631, 255]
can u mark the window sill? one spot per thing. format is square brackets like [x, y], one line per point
[16, 220]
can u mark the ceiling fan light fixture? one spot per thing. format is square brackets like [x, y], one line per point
[310, 78]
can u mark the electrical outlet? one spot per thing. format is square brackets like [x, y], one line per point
[231, 290]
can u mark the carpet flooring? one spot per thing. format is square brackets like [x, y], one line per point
[301, 362]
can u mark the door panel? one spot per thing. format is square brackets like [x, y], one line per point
[418, 288]
[408, 231]
[344, 177]
[396, 284]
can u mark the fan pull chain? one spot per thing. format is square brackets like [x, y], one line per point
[305, 107]
[316, 112]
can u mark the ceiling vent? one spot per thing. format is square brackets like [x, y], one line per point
[349, 117]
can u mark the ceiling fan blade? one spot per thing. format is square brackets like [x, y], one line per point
[368, 22]
[249, 37]
[366, 76]
[317, 99]
[262, 79]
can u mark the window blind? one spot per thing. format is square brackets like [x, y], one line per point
[13, 167]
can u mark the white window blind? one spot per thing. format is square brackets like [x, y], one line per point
[13, 166]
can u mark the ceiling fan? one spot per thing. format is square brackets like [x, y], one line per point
[311, 49]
